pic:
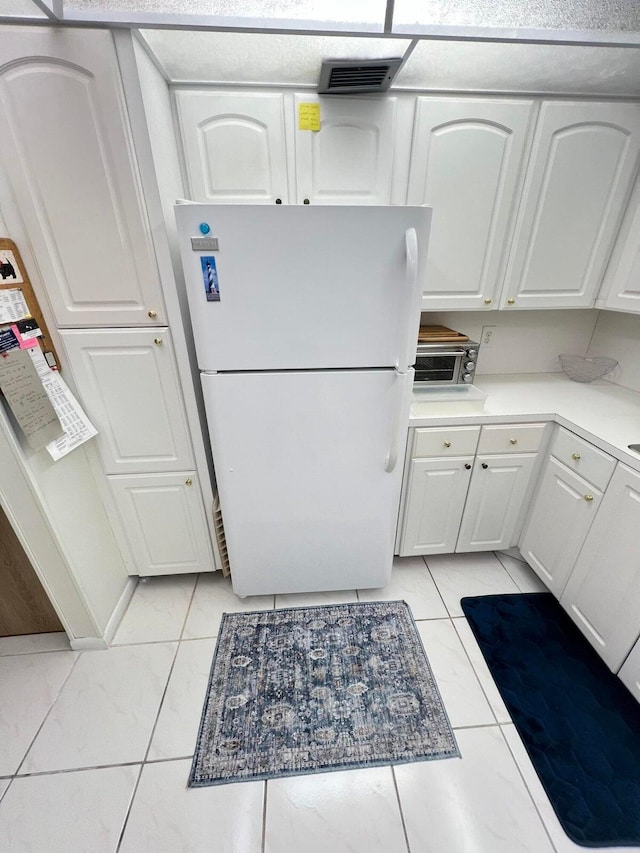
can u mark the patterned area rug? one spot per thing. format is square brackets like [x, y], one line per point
[312, 689]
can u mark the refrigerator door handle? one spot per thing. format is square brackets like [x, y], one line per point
[399, 424]
[414, 300]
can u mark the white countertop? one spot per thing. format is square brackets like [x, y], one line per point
[601, 412]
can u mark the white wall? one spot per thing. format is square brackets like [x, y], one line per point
[67, 493]
[618, 335]
[524, 341]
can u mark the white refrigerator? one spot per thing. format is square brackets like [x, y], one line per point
[305, 321]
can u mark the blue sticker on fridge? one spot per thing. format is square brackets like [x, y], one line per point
[210, 278]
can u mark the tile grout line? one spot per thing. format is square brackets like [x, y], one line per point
[507, 571]
[263, 840]
[528, 790]
[186, 615]
[435, 583]
[125, 822]
[4, 655]
[473, 669]
[155, 724]
[164, 693]
[402, 821]
[46, 716]
[80, 769]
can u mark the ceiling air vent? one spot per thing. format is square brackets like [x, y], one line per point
[347, 76]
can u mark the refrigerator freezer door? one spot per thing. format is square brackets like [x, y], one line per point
[301, 462]
[302, 287]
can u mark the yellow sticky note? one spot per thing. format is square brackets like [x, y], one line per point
[308, 116]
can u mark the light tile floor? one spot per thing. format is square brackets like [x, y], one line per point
[95, 748]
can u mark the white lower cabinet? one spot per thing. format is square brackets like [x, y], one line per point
[602, 595]
[435, 500]
[630, 672]
[129, 384]
[459, 503]
[164, 521]
[564, 508]
[128, 381]
[569, 493]
[497, 491]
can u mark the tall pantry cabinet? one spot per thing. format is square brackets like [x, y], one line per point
[69, 157]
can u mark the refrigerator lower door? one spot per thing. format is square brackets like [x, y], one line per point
[309, 469]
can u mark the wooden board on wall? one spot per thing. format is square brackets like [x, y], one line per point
[7, 245]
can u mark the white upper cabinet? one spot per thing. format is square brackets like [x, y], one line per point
[67, 152]
[621, 286]
[466, 162]
[583, 161]
[234, 146]
[128, 381]
[350, 159]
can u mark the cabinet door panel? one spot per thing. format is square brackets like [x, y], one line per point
[434, 503]
[558, 524]
[621, 287]
[630, 672]
[69, 158]
[582, 164]
[350, 159]
[234, 146]
[466, 163]
[602, 595]
[164, 521]
[130, 387]
[497, 492]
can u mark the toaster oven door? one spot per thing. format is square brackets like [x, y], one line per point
[442, 368]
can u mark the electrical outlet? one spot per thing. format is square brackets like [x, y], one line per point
[488, 337]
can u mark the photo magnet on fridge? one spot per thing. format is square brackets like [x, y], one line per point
[210, 278]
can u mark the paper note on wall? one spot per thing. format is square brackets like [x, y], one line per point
[309, 116]
[76, 425]
[12, 305]
[28, 399]
[9, 269]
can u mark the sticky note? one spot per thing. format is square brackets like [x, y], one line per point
[309, 116]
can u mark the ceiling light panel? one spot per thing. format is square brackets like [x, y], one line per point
[20, 9]
[574, 15]
[544, 69]
[225, 57]
[357, 15]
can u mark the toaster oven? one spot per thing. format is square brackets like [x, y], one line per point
[445, 363]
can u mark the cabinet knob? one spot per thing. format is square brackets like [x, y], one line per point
[305, 201]
[488, 301]
[278, 201]
[484, 465]
[588, 498]
[513, 441]
[447, 444]
[188, 482]
[152, 315]
[157, 342]
[467, 465]
[511, 301]
[576, 456]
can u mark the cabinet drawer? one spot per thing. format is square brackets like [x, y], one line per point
[580, 456]
[446, 441]
[516, 438]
